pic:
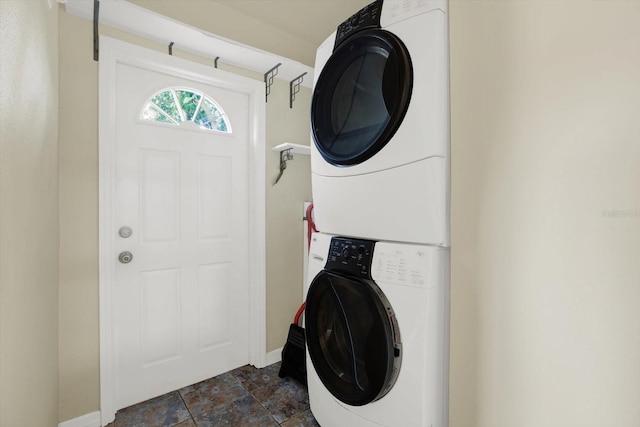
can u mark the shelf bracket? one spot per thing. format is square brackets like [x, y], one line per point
[268, 80]
[171, 48]
[287, 150]
[284, 156]
[294, 87]
[215, 62]
[96, 35]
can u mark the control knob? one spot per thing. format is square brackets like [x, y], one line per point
[345, 252]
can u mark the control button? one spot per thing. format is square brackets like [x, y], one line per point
[345, 252]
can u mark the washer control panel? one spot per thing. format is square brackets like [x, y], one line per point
[350, 256]
[367, 17]
[409, 265]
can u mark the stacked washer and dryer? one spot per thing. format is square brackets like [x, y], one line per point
[377, 308]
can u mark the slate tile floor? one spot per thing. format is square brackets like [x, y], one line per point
[243, 397]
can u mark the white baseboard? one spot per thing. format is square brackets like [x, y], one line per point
[87, 420]
[274, 356]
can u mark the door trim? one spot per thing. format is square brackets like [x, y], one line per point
[112, 52]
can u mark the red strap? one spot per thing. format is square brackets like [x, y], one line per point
[311, 226]
[296, 319]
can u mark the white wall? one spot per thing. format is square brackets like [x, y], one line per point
[78, 159]
[285, 210]
[546, 214]
[28, 213]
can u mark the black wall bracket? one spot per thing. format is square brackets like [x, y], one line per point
[268, 80]
[215, 62]
[294, 87]
[171, 48]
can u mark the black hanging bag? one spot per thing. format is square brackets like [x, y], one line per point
[294, 352]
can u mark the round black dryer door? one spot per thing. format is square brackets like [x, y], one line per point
[361, 97]
[352, 338]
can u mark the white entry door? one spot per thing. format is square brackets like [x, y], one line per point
[180, 230]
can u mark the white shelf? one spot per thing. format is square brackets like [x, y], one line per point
[295, 148]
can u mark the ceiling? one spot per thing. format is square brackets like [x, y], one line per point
[311, 20]
[290, 28]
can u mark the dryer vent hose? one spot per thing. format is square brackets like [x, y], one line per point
[311, 227]
[296, 319]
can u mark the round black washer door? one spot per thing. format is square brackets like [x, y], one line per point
[352, 339]
[361, 97]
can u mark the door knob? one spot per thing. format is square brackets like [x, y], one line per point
[125, 257]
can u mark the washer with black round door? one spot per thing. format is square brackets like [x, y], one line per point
[352, 332]
[380, 124]
[376, 326]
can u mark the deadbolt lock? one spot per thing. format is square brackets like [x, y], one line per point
[125, 232]
[125, 257]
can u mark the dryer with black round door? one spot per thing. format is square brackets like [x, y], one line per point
[361, 99]
[376, 326]
[380, 124]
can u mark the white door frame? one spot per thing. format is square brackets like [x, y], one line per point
[113, 51]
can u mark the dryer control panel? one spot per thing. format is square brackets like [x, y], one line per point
[350, 256]
[367, 17]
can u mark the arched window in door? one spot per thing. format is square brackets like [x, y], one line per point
[180, 106]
